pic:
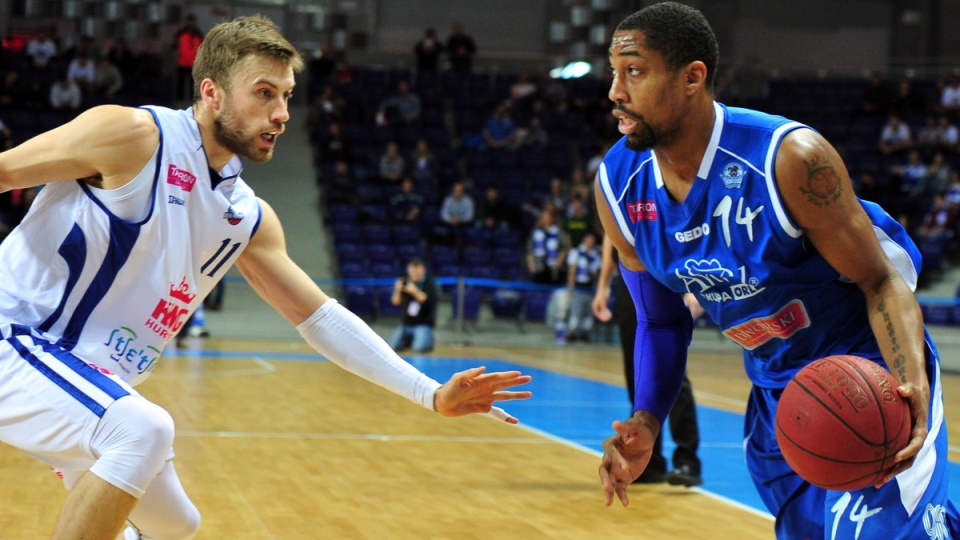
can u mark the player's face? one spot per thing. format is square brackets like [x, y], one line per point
[254, 110]
[643, 90]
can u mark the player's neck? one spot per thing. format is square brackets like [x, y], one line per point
[217, 155]
[680, 157]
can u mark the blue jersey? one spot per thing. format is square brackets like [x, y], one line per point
[732, 244]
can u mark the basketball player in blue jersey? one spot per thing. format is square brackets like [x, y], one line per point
[755, 216]
[104, 271]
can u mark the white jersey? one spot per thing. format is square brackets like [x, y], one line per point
[115, 292]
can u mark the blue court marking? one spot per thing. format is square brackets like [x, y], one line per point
[581, 411]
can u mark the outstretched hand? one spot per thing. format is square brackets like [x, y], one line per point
[626, 455]
[473, 391]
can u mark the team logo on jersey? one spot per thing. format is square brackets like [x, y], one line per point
[642, 211]
[733, 174]
[175, 200]
[715, 283]
[232, 216]
[934, 522]
[130, 358]
[180, 178]
[170, 313]
[753, 333]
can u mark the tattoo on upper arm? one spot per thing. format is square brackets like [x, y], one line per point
[823, 183]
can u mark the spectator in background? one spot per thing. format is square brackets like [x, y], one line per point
[11, 90]
[14, 205]
[6, 137]
[400, 108]
[405, 205]
[188, 40]
[952, 193]
[342, 187]
[948, 136]
[876, 97]
[533, 136]
[334, 147]
[41, 50]
[937, 177]
[552, 92]
[927, 138]
[546, 250]
[322, 65]
[458, 210]
[905, 102]
[500, 131]
[392, 165]
[83, 72]
[108, 80]
[65, 95]
[121, 56]
[583, 268]
[950, 95]
[494, 211]
[460, 50]
[328, 106]
[557, 196]
[416, 294]
[428, 50]
[939, 222]
[423, 165]
[866, 188]
[579, 222]
[895, 137]
[84, 45]
[523, 93]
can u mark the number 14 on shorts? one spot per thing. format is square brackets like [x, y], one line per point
[858, 514]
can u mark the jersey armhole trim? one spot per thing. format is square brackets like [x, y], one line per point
[156, 179]
[613, 204]
[771, 178]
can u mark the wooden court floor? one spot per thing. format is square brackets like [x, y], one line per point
[274, 449]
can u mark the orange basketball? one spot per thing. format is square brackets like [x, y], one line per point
[841, 421]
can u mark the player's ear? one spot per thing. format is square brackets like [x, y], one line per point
[211, 94]
[695, 76]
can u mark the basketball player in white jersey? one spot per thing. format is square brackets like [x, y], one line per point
[142, 214]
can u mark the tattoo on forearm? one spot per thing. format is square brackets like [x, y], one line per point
[823, 183]
[900, 361]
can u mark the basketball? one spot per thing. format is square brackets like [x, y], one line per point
[841, 421]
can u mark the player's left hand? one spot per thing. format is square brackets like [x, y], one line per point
[626, 455]
[919, 399]
[473, 391]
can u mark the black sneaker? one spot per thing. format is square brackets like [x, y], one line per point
[651, 476]
[684, 475]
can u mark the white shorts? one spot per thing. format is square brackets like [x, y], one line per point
[52, 404]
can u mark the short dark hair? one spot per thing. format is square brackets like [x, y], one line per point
[681, 34]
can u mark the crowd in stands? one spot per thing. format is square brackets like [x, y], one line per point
[45, 82]
[493, 171]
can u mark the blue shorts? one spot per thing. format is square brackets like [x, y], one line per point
[914, 505]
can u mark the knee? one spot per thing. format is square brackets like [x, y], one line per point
[149, 423]
[132, 442]
[183, 526]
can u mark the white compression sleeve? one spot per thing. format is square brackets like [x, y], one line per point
[347, 341]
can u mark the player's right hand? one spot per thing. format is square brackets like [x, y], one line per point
[601, 309]
[626, 455]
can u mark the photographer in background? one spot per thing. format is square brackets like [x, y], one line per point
[417, 296]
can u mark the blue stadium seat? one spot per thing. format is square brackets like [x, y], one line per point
[360, 300]
[384, 305]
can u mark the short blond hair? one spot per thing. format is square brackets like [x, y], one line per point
[227, 43]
